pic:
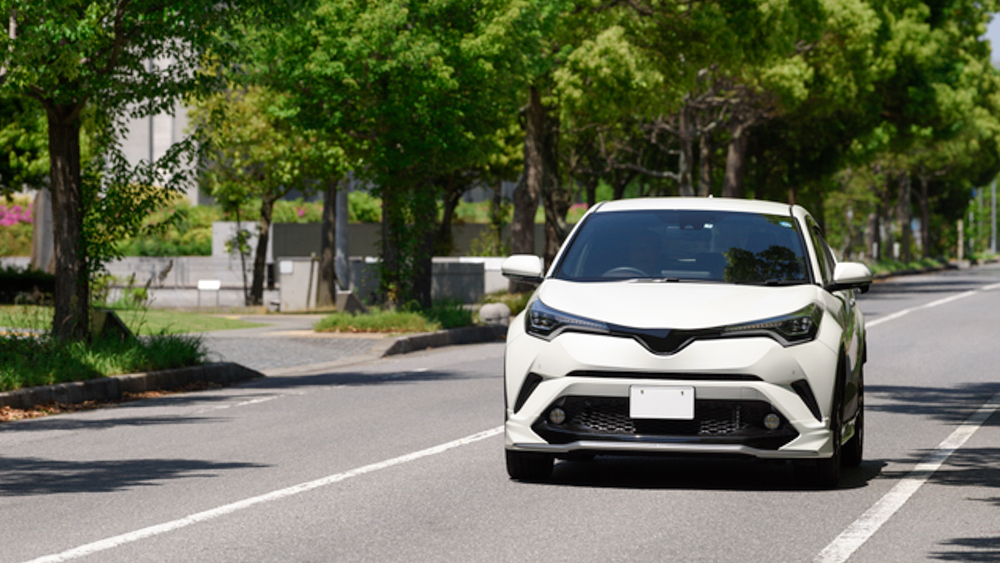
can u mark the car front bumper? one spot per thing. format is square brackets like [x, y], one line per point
[736, 382]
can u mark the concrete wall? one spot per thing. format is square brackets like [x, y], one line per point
[460, 279]
[302, 239]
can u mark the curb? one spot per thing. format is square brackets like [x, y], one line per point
[450, 337]
[115, 387]
[225, 373]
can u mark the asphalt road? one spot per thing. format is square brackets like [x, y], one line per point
[401, 460]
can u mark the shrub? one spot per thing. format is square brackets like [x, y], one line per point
[449, 314]
[189, 232]
[297, 211]
[15, 227]
[364, 208]
[376, 321]
[43, 360]
[516, 302]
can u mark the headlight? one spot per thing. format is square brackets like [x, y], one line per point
[545, 322]
[800, 326]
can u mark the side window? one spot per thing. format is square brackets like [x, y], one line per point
[823, 254]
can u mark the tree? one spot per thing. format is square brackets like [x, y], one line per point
[254, 151]
[72, 56]
[417, 89]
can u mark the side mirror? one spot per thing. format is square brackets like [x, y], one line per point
[851, 275]
[524, 268]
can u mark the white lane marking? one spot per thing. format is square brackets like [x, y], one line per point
[930, 305]
[112, 542]
[844, 545]
[245, 403]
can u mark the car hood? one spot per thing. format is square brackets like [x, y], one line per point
[643, 304]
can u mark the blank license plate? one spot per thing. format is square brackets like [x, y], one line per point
[674, 403]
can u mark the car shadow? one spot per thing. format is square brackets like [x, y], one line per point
[668, 473]
[29, 476]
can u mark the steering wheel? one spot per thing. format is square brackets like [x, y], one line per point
[625, 272]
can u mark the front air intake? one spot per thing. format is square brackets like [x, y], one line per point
[527, 388]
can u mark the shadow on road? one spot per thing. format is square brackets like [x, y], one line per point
[71, 422]
[667, 473]
[358, 379]
[947, 404]
[35, 476]
[936, 285]
[967, 467]
[971, 549]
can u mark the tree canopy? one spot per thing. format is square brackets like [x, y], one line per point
[879, 115]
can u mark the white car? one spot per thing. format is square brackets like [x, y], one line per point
[688, 326]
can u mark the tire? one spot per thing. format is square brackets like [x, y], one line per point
[853, 451]
[529, 466]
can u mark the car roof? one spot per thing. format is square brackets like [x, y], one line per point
[698, 203]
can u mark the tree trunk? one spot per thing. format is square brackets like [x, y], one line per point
[735, 163]
[497, 219]
[72, 289]
[425, 214]
[444, 243]
[925, 217]
[555, 198]
[705, 165]
[905, 214]
[529, 186]
[260, 254]
[389, 279]
[590, 188]
[327, 293]
[685, 185]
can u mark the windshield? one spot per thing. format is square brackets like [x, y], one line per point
[686, 245]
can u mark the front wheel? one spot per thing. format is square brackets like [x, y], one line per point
[529, 466]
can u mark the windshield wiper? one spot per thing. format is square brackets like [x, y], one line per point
[654, 280]
[774, 281]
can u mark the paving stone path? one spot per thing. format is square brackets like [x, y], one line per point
[287, 341]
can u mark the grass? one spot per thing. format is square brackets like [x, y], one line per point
[442, 314]
[376, 321]
[891, 266]
[141, 322]
[156, 321]
[27, 361]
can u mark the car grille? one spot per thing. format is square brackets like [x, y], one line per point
[607, 418]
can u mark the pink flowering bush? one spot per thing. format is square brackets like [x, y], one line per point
[10, 216]
[15, 227]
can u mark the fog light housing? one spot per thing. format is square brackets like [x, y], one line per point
[772, 421]
[557, 416]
